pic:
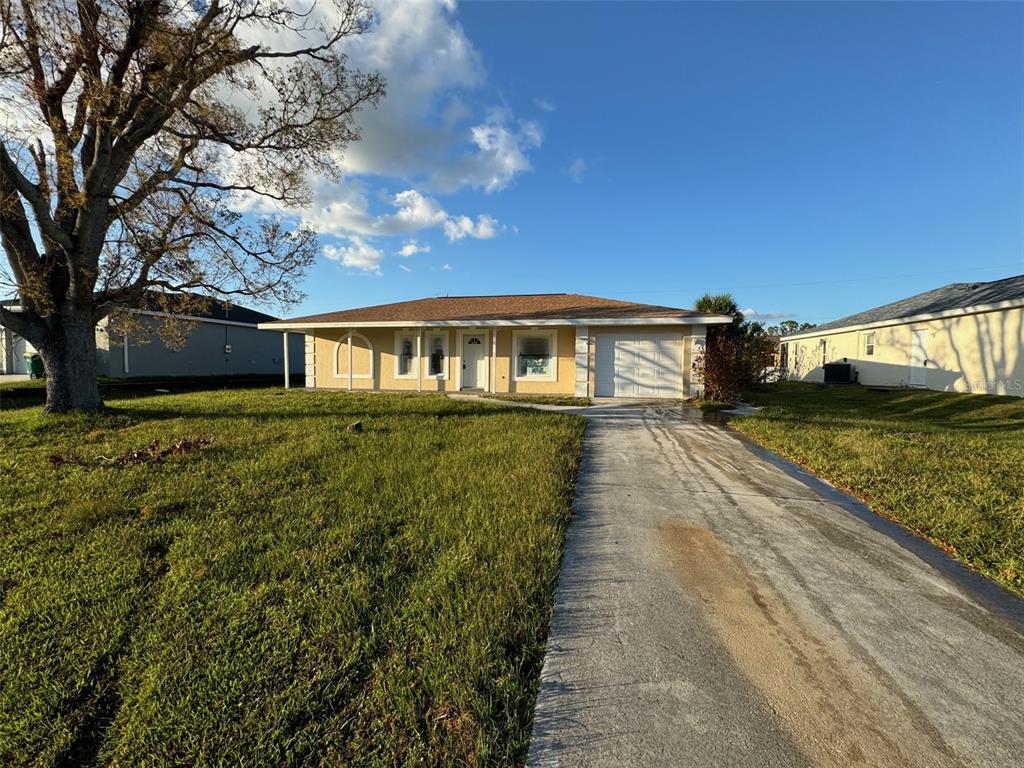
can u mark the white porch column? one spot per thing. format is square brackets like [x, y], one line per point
[582, 361]
[419, 361]
[492, 368]
[350, 361]
[309, 348]
[695, 383]
[287, 373]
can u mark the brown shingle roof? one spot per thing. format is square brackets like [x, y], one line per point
[538, 306]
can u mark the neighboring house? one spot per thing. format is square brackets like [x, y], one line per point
[964, 337]
[225, 341]
[530, 344]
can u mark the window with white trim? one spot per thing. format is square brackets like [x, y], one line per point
[536, 357]
[405, 355]
[437, 355]
[869, 343]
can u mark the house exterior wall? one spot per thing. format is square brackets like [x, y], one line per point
[327, 360]
[329, 346]
[12, 352]
[981, 353]
[252, 352]
[204, 354]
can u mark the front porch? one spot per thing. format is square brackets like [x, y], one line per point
[507, 360]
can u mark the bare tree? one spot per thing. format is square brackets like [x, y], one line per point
[135, 132]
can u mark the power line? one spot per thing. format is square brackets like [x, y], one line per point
[1018, 265]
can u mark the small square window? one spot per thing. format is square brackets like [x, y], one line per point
[869, 344]
[535, 356]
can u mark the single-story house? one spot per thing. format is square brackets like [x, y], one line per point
[963, 337]
[224, 341]
[561, 343]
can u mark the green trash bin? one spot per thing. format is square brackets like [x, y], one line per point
[34, 365]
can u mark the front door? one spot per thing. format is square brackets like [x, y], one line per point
[474, 361]
[919, 359]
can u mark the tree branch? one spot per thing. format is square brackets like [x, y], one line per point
[35, 198]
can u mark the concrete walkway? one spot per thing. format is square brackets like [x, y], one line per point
[717, 607]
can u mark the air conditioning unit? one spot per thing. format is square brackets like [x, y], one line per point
[840, 373]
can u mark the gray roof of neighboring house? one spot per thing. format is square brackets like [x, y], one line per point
[948, 297]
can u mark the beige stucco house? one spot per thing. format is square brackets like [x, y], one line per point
[562, 343]
[963, 337]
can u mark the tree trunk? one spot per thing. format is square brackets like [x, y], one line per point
[69, 355]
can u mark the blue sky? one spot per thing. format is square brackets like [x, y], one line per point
[815, 159]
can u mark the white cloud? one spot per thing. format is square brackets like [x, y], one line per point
[752, 314]
[413, 212]
[544, 105]
[411, 248]
[423, 128]
[484, 228]
[358, 254]
[418, 211]
[447, 267]
[405, 268]
[432, 133]
[576, 169]
[502, 146]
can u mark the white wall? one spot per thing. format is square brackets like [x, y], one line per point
[12, 352]
[982, 353]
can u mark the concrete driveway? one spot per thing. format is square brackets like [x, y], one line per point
[717, 607]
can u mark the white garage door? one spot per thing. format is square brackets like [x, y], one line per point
[639, 365]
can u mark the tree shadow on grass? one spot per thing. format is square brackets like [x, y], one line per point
[914, 411]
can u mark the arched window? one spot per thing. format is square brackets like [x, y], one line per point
[357, 348]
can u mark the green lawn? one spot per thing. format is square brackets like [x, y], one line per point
[291, 593]
[948, 466]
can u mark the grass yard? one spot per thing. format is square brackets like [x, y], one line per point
[265, 587]
[579, 402]
[948, 466]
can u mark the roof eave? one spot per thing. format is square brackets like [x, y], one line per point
[287, 325]
[958, 312]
